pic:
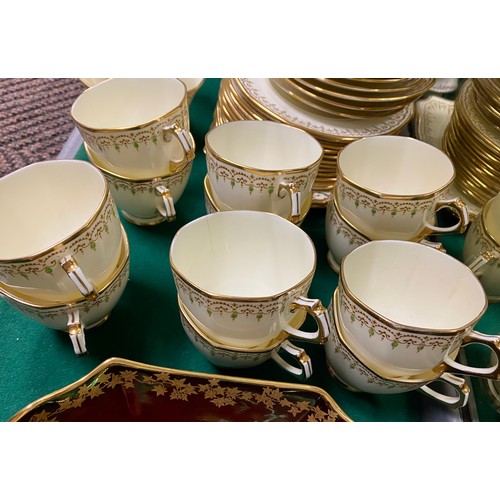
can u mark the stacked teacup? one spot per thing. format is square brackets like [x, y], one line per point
[261, 165]
[136, 131]
[401, 313]
[64, 258]
[242, 278]
[481, 251]
[389, 187]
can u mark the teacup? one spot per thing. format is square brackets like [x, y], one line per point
[390, 187]
[233, 357]
[145, 202]
[243, 274]
[138, 125]
[481, 251]
[411, 308]
[213, 204]
[77, 316]
[351, 369]
[60, 231]
[262, 165]
[192, 84]
[342, 237]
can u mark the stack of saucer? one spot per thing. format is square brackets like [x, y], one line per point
[472, 139]
[259, 99]
[136, 132]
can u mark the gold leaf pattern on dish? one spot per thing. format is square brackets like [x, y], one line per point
[164, 385]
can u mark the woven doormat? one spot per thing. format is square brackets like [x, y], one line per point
[35, 119]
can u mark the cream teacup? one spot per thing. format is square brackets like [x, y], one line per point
[390, 187]
[145, 202]
[342, 237]
[411, 308]
[352, 370]
[239, 357]
[243, 274]
[138, 125]
[481, 251]
[213, 204]
[60, 231]
[77, 316]
[262, 165]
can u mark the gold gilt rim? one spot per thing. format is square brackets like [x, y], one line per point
[380, 102]
[182, 104]
[123, 258]
[263, 172]
[400, 327]
[232, 298]
[386, 196]
[422, 377]
[125, 363]
[106, 168]
[272, 344]
[75, 234]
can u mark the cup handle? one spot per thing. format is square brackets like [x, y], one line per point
[458, 384]
[491, 372]
[76, 332]
[477, 265]
[295, 199]
[76, 275]
[315, 308]
[303, 370]
[457, 206]
[167, 210]
[437, 245]
[185, 141]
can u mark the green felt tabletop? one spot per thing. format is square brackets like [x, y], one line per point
[145, 325]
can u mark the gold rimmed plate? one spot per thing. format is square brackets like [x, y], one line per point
[121, 390]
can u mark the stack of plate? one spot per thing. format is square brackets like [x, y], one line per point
[472, 141]
[488, 99]
[354, 97]
[259, 99]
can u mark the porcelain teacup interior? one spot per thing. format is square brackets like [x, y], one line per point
[244, 273]
[412, 307]
[60, 231]
[389, 187]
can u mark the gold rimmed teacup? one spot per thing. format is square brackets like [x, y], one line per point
[262, 165]
[77, 316]
[353, 370]
[138, 125]
[389, 187]
[481, 251]
[225, 356]
[214, 204]
[60, 231]
[244, 273]
[145, 201]
[388, 291]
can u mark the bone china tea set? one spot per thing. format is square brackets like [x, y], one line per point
[402, 310]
